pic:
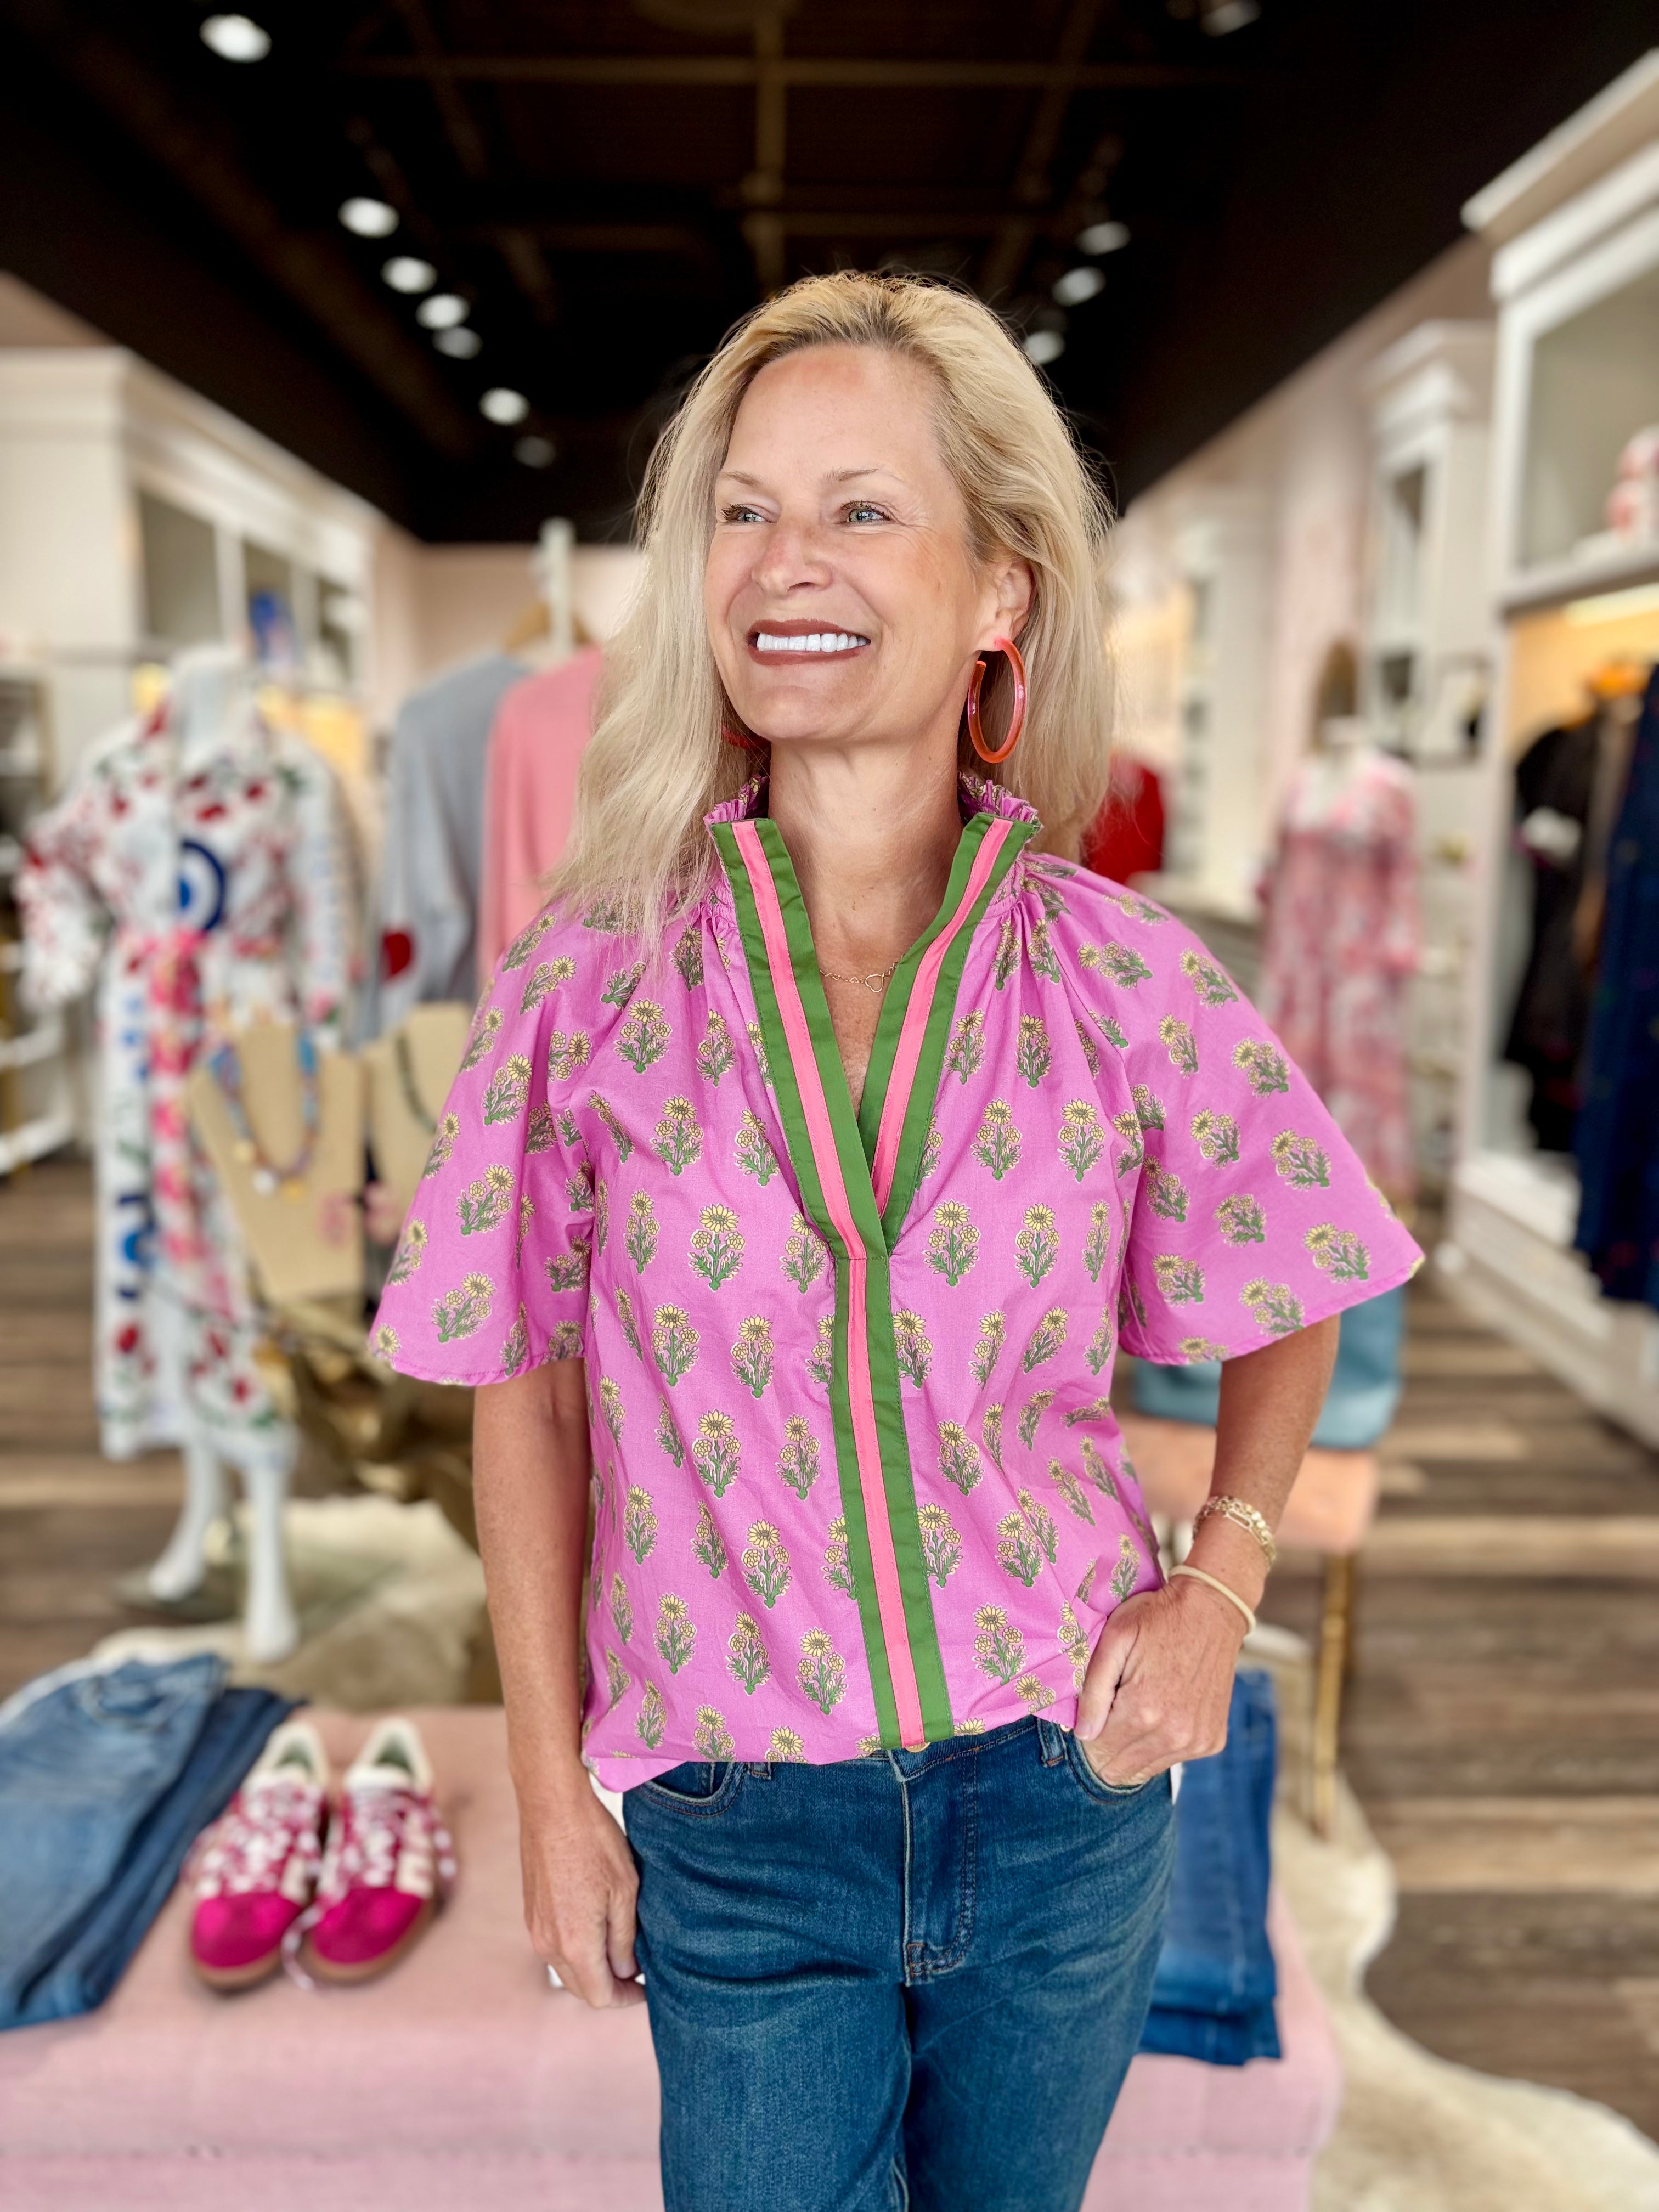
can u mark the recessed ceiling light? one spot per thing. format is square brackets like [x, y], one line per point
[367, 218]
[442, 311]
[236, 38]
[460, 344]
[1078, 285]
[536, 453]
[1044, 346]
[1103, 238]
[405, 272]
[501, 406]
[1220, 17]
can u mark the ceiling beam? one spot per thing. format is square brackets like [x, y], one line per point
[465, 139]
[1011, 246]
[312, 270]
[743, 72]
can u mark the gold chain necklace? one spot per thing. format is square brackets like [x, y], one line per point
[872, 981]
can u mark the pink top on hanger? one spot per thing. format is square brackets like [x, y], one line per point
[536, 744]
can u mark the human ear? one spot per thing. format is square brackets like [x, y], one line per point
[1015, 587]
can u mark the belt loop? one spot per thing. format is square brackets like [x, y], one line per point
[1051, 1741]
[761, 1769]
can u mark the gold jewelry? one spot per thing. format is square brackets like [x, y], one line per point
[1220, 1588]
[873, 981]
[1243, 1515]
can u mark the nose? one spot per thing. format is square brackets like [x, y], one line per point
[793, 556]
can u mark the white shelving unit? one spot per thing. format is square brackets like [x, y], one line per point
[136, 519]
[1576, 281]
[36, 1103]
[1427, 664]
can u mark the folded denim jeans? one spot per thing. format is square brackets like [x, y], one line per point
[106, 1780]
[1213, 1996]
[1366, 1382]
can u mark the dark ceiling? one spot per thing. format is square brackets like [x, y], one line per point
[609, 183]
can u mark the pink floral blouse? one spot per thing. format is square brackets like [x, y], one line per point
[856, 1480]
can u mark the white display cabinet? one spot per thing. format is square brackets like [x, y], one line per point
[137, 518]
[1427, 660]
[1576, 281]
[1217, 824]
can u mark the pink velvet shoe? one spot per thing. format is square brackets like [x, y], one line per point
[388, 1866]
[255, 1869]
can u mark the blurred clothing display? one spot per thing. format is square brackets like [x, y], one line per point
[106, 1778]
[1213, 1996]
[1126, 838]
[1341, 944]
[433, 859]
[541, 731]
[1569, 786]
[198, 871]
[1617, 1137]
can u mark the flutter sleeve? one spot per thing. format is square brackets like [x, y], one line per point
[490, 1277]
[65, 923]
[1252, 1215]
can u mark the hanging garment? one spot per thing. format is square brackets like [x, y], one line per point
[540, 734]
[857, 1480]
[198, 871]
[1554, 781]
[1617, 1139]
[1126, 838]
[434, 856]
[1341, 944]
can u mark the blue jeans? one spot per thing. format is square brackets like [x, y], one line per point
[106, 1780]
[1212, 1997]
[924, 1973]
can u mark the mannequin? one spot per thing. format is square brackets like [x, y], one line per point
[197, 873]
[1341, 931]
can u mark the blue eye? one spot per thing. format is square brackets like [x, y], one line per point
[863, 511]
[739, 514]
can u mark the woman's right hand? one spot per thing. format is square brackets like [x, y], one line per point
[579, 1884]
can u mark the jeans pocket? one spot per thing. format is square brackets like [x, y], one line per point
[1095, 1785]
[701, 1786]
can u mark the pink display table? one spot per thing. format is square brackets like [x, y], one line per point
[461, 2083]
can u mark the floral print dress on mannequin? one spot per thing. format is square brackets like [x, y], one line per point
[197, 872]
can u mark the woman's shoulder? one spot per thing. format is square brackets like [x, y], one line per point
[1115, 940]
[575, 969]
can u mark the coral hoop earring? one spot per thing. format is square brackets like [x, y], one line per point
[1016, 720]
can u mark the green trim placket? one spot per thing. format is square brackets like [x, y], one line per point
[854, 1138]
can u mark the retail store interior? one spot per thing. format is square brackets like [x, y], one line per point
[334, 344]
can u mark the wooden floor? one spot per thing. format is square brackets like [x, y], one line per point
[1503, 1725]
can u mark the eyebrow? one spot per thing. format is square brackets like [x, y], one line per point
[835, 476]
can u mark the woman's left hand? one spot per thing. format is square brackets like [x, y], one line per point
[1160, 1682]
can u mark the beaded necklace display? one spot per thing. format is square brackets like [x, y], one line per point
[226, 1069]
[406, 1084]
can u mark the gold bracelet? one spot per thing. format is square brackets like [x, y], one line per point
[1231, 1596]
[1243, 1515]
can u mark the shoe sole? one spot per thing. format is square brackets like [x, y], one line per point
[229, 1979]
[325, 1970]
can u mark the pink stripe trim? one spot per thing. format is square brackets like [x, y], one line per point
[908, 1057]
[890, 1597]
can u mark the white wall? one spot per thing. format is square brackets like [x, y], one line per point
[1305, 450]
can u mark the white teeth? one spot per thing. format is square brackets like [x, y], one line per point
[816, 642]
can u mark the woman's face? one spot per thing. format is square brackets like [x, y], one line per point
[843, 602]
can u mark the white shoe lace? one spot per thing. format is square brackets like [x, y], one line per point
[247, 1850]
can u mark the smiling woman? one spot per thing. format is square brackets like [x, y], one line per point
[821, 1108]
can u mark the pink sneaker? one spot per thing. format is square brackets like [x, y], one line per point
[255, 1869]
[388, 1866]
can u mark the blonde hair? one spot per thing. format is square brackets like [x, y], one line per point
[657, 761]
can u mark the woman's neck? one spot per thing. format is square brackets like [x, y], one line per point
[871, 832]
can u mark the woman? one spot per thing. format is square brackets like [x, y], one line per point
[804, 1173]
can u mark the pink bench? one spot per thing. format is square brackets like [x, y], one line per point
[462, 2082]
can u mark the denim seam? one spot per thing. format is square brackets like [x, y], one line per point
[699, 1809]
[904, 1926]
